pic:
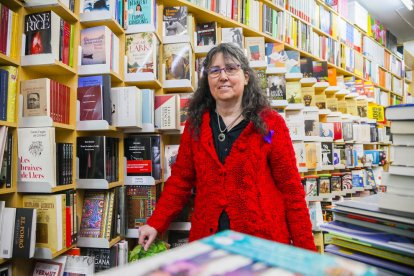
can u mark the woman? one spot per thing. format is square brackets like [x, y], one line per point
[237, 153]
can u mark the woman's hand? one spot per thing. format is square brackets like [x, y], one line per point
[147, 235]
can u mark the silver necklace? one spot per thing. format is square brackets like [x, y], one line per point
[222, 136]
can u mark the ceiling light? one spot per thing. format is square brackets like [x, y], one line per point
[408, 4]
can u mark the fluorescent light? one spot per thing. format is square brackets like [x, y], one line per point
[408, 4]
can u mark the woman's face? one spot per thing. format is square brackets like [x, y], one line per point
[227, 87]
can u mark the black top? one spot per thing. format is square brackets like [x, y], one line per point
[223, 150]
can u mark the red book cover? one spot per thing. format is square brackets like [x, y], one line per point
[67, 103]
[61, 103]
[68, 227]
[53, 84]
[3, 28]
[91, 106]
[66, 42]
[337, 131]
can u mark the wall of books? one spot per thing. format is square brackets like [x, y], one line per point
[92, 104]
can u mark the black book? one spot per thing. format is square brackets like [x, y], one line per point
[327, 156]
[177, 238]
[91, 154]
[105, 258]
[24, 233]
[4, 88]
[38, 31]
[306, 67]
[320, 70]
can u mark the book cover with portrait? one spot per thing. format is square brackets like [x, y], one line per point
[36, 97]
[95, 43]
[141, 52]
[175, 21]
[177, 61]
[140, 12]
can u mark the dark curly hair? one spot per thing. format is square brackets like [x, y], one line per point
[253, 101]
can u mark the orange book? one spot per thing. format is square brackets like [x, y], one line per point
[332, 76]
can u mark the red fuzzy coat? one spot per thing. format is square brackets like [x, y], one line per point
[259, 186]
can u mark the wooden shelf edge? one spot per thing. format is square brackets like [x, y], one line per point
[6, 60]
[5, 191]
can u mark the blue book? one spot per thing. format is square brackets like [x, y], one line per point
[400, 112]
[105, 82]
[371, 237]
[284, 256]
[4, 88]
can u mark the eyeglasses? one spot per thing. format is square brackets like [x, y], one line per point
[230, 69]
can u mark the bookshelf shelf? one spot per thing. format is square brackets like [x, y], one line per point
[45, 253]
[13, 4]
[56, 6]
[272, 5]
[42, 121]
[41, 187]
[93, 20]
[6, 60]
[101, 184]
[94, 125]
[8, 124]
[5, 191]
[47, 65]
[2, 261]
[97, 242]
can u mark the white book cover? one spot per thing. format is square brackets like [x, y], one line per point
[232, 35]
[255, 47]
[166, 112]
[300, 154]
[311, 118]
[127, 106]
[170, 153]
[7, 232]
[79, 265]
[96, 46]
[141, 52]
[37, 155]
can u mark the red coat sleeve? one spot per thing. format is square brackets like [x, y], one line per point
[177, 189]
[285, 173]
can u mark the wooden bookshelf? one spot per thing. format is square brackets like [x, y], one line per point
[6, 60]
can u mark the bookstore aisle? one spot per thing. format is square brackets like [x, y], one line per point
[93, 98]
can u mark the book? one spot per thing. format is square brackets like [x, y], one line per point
[24, 233]
[140, 15]
[94, 214]
[104, 258]
[232, 35]
[320, 70]
[255, 48]
[11, 92]
[140, 200]
[175, 21]
[79, 265]
[170, 153]
[37, 155]
[141, 50]
[206, 34]
[91, 103]
[276, 56]
[96, 45]
[42, 33]
[292, 62]
[177, 60]
[276, 87]
[167, 111]
[400, 112]
[7, 232]
[306, 67]
[51, 219]
[92, 158]
[127, 106]
[177, 238]
[50, 267]
[293, 92]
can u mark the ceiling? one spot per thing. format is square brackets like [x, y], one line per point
[394, 16]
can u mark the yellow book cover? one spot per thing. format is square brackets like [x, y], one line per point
[12, 92]
[376, 112]
[293, 91]
[320, 100]
[50, 223]
[332, 104]
[342, 106]
[362, 107]
[14, 41]
[351, 106]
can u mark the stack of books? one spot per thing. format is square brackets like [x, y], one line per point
[400, 178]
[364, 232]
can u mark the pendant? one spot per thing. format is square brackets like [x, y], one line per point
[221, 137]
